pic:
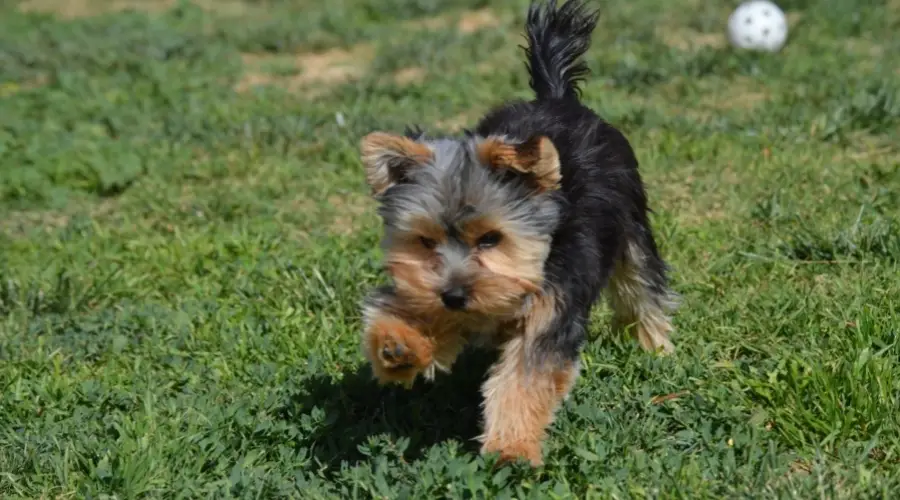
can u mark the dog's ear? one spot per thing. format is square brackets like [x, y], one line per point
[536, 158]
[387, 158]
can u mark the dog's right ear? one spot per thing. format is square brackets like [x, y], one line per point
[388, 158]
[536, 158]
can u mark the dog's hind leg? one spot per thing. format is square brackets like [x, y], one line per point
[639, 295]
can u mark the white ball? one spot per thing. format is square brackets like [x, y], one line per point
[758, 25]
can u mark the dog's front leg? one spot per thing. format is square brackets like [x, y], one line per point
[524, 389]
[397, 348]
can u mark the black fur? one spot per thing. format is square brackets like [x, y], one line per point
[557, 40]
[603, 198]
[590, 234]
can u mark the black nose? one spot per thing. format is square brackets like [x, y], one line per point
[454, 298]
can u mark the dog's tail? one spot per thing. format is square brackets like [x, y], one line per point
[557, 41]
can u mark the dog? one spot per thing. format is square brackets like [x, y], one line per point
[506, 236]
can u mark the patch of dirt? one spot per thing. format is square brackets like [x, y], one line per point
[864, 147]
[737, 94]
[893, 12]
[458, 122]
[19, 222]
[485, 67]
[234, 8]
[706, 98]
[477, 20]
[467, 22]
[677, 199]
[72, 9]
[339, 214]
[800, 467]
[742, 100]
[688, 39]
[409, 75]
[668, 397]
[869, 54]
[10, 88]
[711, 95]
[351, 210]
[863, 47]
[314, 70]
[675, 191]
[334, 65]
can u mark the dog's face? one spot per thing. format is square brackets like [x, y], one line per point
[468, 222]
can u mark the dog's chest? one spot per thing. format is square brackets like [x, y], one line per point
[482, 338]
[488, 333]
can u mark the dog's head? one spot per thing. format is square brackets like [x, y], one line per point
[468, 222]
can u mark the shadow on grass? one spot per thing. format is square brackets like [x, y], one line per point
[341, 415]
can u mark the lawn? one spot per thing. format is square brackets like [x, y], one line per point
[185, 235]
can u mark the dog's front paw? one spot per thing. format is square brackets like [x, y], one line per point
[397, 350]
[395, 355]
[513, 451]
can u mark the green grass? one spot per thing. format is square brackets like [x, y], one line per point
[181, 262]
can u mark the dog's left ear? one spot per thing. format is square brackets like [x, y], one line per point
[536, 158]
[388, 158]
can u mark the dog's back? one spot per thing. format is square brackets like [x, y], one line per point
[516, 229]
[590, 149]
[604, 224]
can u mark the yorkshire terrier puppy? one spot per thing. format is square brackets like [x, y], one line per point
[506, 237]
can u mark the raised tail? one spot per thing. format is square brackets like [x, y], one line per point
[557, 40]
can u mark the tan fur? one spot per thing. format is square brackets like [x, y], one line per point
[508, 272]
[514, 256]
[380, 149]
[413, 268]
[475, 273]
[520, 402]
[503, 276]
[414, 281]
[537, 318]
[635, 307]
[533, 320]
[397, 350]
[476, 227]
[520, 396]
[536, 157]
[425, 227]
[425, 345]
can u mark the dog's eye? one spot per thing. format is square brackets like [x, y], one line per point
[489, 239]
[427, 242]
